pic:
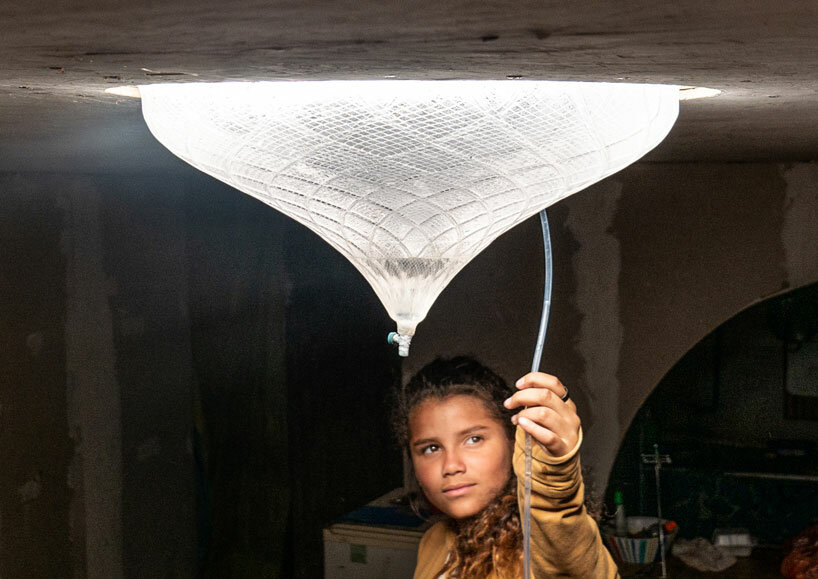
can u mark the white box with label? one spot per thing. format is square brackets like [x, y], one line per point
[382, 549]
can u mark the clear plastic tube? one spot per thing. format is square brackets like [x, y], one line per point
[535, 367]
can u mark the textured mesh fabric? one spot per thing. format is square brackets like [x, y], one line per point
[409, 179]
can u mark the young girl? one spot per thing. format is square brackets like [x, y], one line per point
[456, 419]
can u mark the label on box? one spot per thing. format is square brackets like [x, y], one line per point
[357, 553]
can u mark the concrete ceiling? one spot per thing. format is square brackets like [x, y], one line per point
[58, 58]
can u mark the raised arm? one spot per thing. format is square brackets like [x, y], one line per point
[565, 540]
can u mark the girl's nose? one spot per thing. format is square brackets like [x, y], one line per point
[453, 464]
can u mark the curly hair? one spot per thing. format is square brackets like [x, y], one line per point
[490, 540]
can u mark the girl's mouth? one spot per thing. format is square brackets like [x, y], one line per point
[457, 491]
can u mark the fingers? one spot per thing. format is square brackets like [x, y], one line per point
[545, 437]
[554, 424]
[542, 415]
[565, 425]
[541, 380]
[536, 397]
[538, 389]
[555, 435]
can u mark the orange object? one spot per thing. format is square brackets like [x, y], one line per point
[802, 560]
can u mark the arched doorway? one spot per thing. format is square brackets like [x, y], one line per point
[738, 415]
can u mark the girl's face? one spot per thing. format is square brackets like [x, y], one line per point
[461, 453]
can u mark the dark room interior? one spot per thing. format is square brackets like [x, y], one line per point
[194, 385]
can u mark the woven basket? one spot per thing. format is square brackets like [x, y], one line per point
[637, 551]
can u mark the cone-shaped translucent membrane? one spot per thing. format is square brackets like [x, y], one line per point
[409, 179]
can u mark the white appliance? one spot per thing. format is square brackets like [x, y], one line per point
[377, 541]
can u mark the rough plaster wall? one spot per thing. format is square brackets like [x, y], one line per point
[699, 243]
[144, 236]
[705, 242]
[799, 234]
[94, 421]
[237, 295]
[96, 470]
[34, 445]
[597, 267]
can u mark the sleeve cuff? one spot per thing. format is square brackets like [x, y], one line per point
[539, 454]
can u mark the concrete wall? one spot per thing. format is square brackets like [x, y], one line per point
[646, 264]
[187, 381]
[35, 446]
[95, 379]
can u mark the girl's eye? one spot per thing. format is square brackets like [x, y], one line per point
[474, 439]
[430, 449]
